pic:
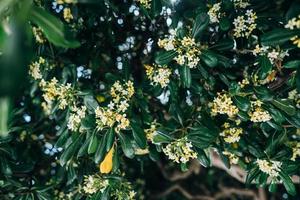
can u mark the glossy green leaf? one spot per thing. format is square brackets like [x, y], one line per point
[242, 103]
[201, 23]
[288, 184]
[126, 145]
[285, 105]
[163, 58]
[185, 75]
[138, 134]
[277, 37]
[52, 27]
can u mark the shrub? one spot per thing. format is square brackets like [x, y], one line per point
[95, 94]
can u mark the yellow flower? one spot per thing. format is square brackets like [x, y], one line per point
[107, 164]
[68, 14]
[223, 104]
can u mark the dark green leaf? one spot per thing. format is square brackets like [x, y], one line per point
[163, 58]
[126, 145]
[288, 183]
[52, 27]
[138, 134]
[185, 75]
[285, 105]
[201, 22]
[242, 103]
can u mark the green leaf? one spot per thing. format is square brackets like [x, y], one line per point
[224, 24]
[52, 27]
[156, 7]
[110, 136]
[90, 102]
[138, 134]
[126, 145]
[5, 4]
[294, 64]
[263, 93]
[252, 175]
[69, 151]
[100, 150]
[4, 115]
[288, 183]
[163, 58]
[185, 75]
[161, 137]
[286, 105]
[93, 143]
[266, 66]
[201, 23]
[242, 103]
[84, 148]
[209, 58]
[277, 37]
[203, 158]
[202, 137]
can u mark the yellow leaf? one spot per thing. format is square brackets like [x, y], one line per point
[107, 164]
[100, 98]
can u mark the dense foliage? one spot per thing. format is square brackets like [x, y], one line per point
[99, 97]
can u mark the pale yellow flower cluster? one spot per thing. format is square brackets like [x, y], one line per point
[273, 54]
[65, 1]
[34, 69]
[293, 23]
[272, 168]
[145, 3]
[158, 75]
[241, 3]
[244, 25]
[93, 184]
[67, 14]
[53, 91]
[180, 151]
[244, 82]
[223, 104]
[115, 114]
[257, 113]
[231, 134]
[233, 159]
[294, 95]
[74, 121]
[150, 132]
[38, 35]
[187, 49]
[214, 13]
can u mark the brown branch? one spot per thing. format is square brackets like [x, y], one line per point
[184, 193]
[177, 175]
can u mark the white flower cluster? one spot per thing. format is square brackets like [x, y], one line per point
[158, 75]
[38, 35]
[292, 24]
[244, 25]
[273, 54]
[223, 104]
[257, 113]
[115, 114]
[180, 151]
[241, 3]
[94, 183]
[272, 168]
[75, 117]
[53, 91]
[233, 159]
[34, 69]
[295, 96]
[187, 49]
[214, 13]
[150, 132]
[231, 134]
